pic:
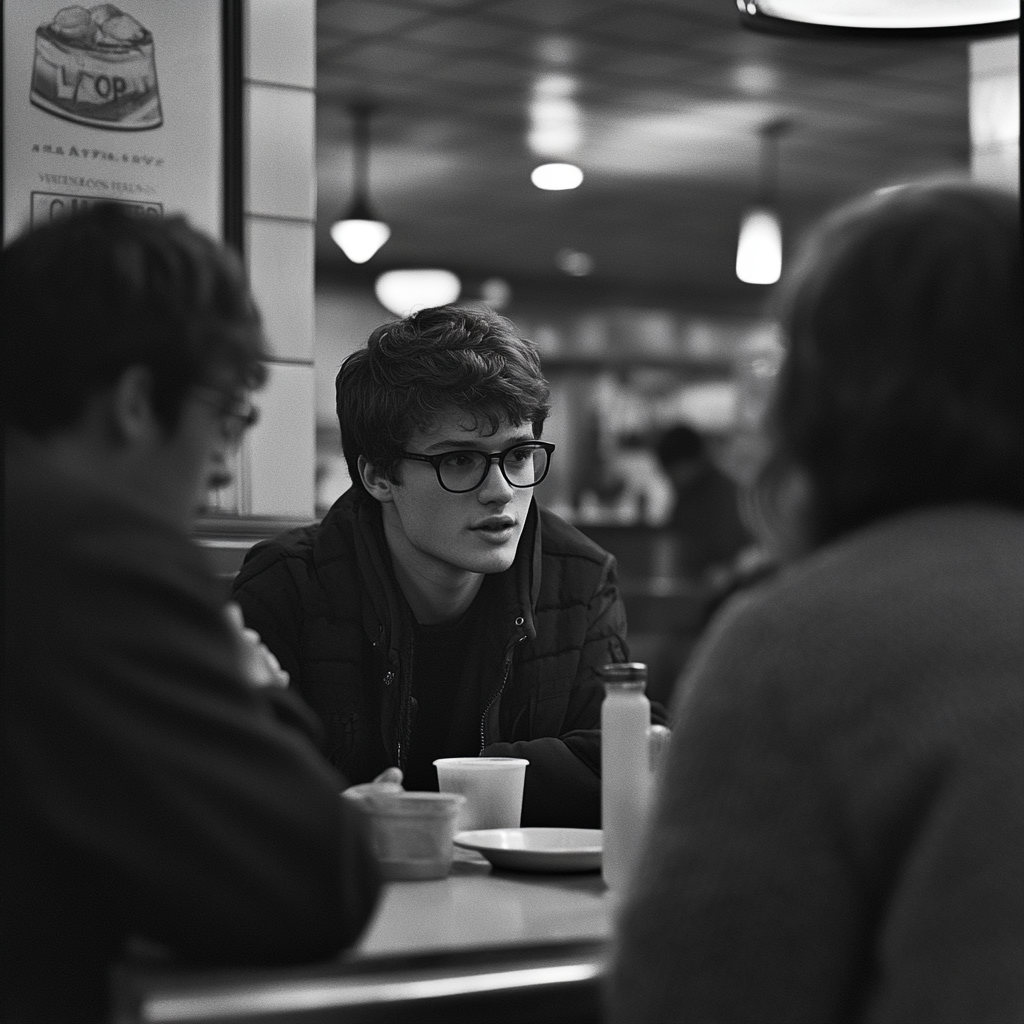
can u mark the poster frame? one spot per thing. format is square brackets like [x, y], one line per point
[232, 171]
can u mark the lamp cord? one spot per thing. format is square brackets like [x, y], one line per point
[360, 148]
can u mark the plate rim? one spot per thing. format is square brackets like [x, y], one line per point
[592, 849]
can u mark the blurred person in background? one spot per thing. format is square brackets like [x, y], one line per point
[839, 834]
[705, 517]
[157, 781]
[437, 611]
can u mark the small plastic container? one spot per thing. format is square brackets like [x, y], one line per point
[411, 833]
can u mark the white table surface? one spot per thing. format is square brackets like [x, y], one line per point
[473, 910]
[476, 907]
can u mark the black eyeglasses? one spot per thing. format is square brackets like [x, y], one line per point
[522, 465]
[236, 415]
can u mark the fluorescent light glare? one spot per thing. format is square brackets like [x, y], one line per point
[554, 138]
[759, 253]
[556, 177]
[404, 292]
[554, 117]
[360, 239]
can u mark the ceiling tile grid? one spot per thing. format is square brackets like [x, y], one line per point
[670, 98]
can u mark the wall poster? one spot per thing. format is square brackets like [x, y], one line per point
[136, 103]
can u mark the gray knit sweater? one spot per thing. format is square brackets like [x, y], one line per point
[840, 833]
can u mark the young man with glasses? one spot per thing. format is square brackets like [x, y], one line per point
[153, 783]
[437, 610]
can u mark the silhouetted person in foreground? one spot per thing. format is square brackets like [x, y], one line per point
[156, 780]
[838, 835]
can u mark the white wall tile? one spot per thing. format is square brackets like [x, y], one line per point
[280, 178]
[281, 447]
[345, 316]
[998, 166]
[281, 41]
[995, 112]
[280, 258]
[992, 56]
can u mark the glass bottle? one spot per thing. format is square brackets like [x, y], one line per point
[625, 772]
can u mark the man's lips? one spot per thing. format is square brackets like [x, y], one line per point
[495, 525]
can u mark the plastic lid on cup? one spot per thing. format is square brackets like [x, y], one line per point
[491, 762]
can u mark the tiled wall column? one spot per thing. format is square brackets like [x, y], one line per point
[280, 205]
[995, 111]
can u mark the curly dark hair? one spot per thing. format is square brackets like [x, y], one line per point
[903, 384]
[414, 371]
[93, 293]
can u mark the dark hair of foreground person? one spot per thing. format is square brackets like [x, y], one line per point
[903, 383]
[103, 291]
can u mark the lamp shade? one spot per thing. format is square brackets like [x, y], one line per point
[360, 233]
[404, 292]
[759, 252]
[359, 238]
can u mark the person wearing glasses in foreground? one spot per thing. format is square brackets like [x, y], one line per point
[437, 610]
[840, 831]
[156, 781]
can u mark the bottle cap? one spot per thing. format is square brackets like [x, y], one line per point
[624, 672]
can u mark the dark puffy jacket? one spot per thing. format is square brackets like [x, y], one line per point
[325, 600]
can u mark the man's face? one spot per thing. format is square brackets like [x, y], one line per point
[181, 467]
[441, 535]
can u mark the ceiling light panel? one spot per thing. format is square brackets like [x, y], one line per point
[892, 14]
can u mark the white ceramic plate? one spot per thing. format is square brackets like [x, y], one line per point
[536, 849]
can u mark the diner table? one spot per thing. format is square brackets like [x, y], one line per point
[482, 944]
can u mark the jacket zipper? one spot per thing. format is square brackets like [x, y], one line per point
[498, 692]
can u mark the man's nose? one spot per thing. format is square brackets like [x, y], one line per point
[218, 470]
[495, 487]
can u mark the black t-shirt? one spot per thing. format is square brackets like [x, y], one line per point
[446, 686]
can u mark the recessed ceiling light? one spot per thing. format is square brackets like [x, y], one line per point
[755, 79]
[573, 263]
[556, 177]
[496, 292]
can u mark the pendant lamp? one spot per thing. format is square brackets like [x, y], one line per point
[759, 250]
[360, 233]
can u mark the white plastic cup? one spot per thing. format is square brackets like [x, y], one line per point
[492, 786]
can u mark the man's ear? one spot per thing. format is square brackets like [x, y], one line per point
[132, 408]
[378, 485]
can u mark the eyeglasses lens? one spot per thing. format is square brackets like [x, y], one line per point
[236, 421]
[523, 466]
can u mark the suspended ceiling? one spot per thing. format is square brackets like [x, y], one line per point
[671, 96]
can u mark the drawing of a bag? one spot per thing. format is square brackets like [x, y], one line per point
[97, 67]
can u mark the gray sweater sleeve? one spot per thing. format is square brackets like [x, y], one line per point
[838, 836]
